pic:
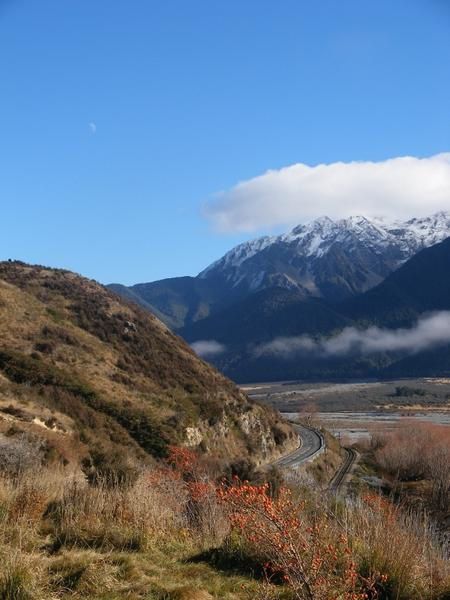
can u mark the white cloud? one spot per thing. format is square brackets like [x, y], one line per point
[208, 348]
[430, 331]
[398, 187]
[93, 127]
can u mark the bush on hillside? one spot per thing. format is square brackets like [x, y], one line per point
[21, 453]
[108, 467]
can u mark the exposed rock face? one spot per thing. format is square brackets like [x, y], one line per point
[193, 437]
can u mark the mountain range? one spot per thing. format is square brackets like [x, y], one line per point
[326, 258]
[316, 280]
[333, 260]
[416, 290]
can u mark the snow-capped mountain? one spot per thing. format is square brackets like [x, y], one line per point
[269, 335]
[327, 258]
[419, 233]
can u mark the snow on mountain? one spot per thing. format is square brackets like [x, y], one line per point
[241, 253]
[328, 259]
[353, 253]
[421, 232]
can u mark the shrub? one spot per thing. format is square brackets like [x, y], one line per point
[415, 452]
[243, 469]
[404, 391]
[398, 544]
[44, 347]
[16, 581]
[20, 453]
[109, 467]
[59, 334]
[279, 435]
[275, 480]
[308, 555]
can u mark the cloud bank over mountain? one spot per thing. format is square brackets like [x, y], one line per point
[396, 188]
[430, 331]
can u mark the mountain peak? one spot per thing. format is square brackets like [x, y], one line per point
[332, 259]
[291, 259]
[322, 221]
[359, 220]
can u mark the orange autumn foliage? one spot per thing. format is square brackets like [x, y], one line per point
[306, 553]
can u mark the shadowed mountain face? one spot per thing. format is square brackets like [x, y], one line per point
[420, 286]
[266, 315]
[330, 260]
[176, 301]
[115, 376]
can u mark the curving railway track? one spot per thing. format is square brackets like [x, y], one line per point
[311, 445]
[339, 477]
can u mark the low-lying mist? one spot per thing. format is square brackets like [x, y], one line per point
[207, 348]
[430, 331]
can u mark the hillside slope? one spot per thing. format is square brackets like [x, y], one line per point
[177, 300]
[94, 371]
[422, 284]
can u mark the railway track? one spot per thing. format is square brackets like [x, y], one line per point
[338, 479]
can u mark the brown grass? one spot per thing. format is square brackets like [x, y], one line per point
[400, 544]
[60, 537]
[112, 374]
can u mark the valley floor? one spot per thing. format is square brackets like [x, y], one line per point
[355, 410]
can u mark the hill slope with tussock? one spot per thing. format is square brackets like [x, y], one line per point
[101, 376]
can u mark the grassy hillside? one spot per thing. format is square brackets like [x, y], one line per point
[177, 533]
[101, 379]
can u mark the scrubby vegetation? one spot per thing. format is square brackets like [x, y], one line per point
[101, 498]
[430, 394]
[182, 530]
[123, 384]
[417, 454]
[404, 391]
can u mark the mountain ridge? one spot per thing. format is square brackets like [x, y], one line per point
[396, 241]
[333, 260]
[419, 287]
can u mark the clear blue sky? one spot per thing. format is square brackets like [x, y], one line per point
[120, 118]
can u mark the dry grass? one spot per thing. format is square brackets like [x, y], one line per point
[61, 538]
[325, 466]
[400, 544]
[111, 373]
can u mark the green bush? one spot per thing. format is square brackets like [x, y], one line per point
[15, 584]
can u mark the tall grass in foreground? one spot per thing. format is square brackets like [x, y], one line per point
[400, 544]
[61, 537]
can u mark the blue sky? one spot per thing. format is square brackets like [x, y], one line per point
[120, 120]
